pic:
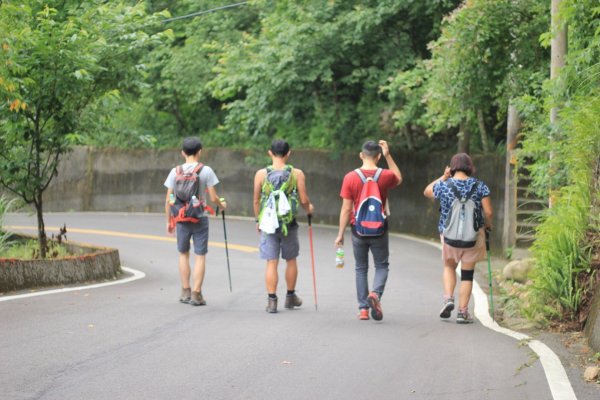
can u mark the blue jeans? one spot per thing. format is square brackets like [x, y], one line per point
[379, 247]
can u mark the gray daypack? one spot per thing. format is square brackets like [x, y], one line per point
[462, 225]
[188, 206]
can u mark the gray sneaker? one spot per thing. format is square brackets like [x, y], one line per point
[186, 295]
[463, 317]
[447, 308]
[197, 299]
[292, 300]
[272, 305]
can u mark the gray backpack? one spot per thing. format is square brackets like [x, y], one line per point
[462, 225]
[187, 205]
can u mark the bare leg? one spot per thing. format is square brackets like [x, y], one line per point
[271, 277]
[199, 269]
[449, 277]
[464, 291]
[184, 269]
[291, 274]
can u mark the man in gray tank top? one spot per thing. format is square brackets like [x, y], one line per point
[278, 190]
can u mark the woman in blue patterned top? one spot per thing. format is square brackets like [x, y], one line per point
[459, 175]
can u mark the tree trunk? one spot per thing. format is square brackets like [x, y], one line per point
[42, 240]
[408, 132]
[558, 54]
[482, 131]
[463, 138]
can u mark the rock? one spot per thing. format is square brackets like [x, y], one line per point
[518, 270]
[591, 373]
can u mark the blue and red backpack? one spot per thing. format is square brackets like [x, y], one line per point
[370, 215]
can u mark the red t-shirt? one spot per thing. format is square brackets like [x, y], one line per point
[352, 185]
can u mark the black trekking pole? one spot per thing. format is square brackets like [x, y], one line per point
[487, 248]
[226, 246]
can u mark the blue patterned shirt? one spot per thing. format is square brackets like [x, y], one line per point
[446, 196]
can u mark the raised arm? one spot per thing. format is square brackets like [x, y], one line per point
[428, 192]
[385, 150]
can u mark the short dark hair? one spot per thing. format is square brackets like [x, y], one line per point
[371, 149]
[462, 162]
[280, 147]
[191, 146]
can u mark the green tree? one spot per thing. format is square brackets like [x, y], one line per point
[56, 61]
[487, 53]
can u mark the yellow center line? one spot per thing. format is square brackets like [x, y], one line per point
[239, 247]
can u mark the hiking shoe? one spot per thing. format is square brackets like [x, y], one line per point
[376, 312]
[186, 295]
[363, 315]
[272, 305]
[447, 308]
[292, 300]
[463, 317]
[197, 299]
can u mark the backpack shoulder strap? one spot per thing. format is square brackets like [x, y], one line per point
[454, 190]
[377, 174]
[362, 176]
[290, 183]
[473, 189]
[197, 168]
[179, 170]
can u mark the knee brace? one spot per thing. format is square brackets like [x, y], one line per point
[466, 274]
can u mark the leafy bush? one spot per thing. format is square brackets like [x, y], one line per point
[5, 207]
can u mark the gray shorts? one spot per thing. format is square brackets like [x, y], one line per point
[271, 245]
[197, 231]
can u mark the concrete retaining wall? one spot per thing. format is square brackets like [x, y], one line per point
[132, 180]
[93, 263]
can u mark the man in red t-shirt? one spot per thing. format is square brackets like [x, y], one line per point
[378, 245]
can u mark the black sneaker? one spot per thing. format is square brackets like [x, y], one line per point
[272, 305]
[447, 308]
[186, 295]
[463, 317]
[292, 300]
[197, 299]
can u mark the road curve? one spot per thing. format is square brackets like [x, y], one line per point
[135, 340]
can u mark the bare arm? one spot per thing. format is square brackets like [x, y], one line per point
[486, 203]
[428, 192]
[301, 185]
[345, 215]
[259, 178]
[168, 210]
[390, 160]
[214, 197]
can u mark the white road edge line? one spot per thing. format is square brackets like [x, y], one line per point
[136, 275]
[558, 381]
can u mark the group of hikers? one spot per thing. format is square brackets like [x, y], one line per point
[279, 192]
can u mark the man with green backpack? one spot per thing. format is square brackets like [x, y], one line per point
[278, 190]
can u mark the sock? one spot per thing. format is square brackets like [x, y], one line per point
[291, 292]
[272, 296]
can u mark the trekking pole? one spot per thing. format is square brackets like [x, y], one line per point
[226, 246]
[487, 248]
[312, 257]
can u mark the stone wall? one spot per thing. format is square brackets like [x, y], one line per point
[91, 264]
[132, 180]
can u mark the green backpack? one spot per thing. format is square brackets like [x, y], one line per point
[279, 182]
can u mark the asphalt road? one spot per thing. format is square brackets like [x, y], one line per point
[136, 341]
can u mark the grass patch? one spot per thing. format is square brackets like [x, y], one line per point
[29, 250]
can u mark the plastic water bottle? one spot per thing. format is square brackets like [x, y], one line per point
[171, 199]
[195, 201]
[339, 257]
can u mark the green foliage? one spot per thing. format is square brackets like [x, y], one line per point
[486, 55]
[58, 60]
[29, 249]
[6, 206]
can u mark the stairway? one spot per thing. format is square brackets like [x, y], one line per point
[529, 208]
